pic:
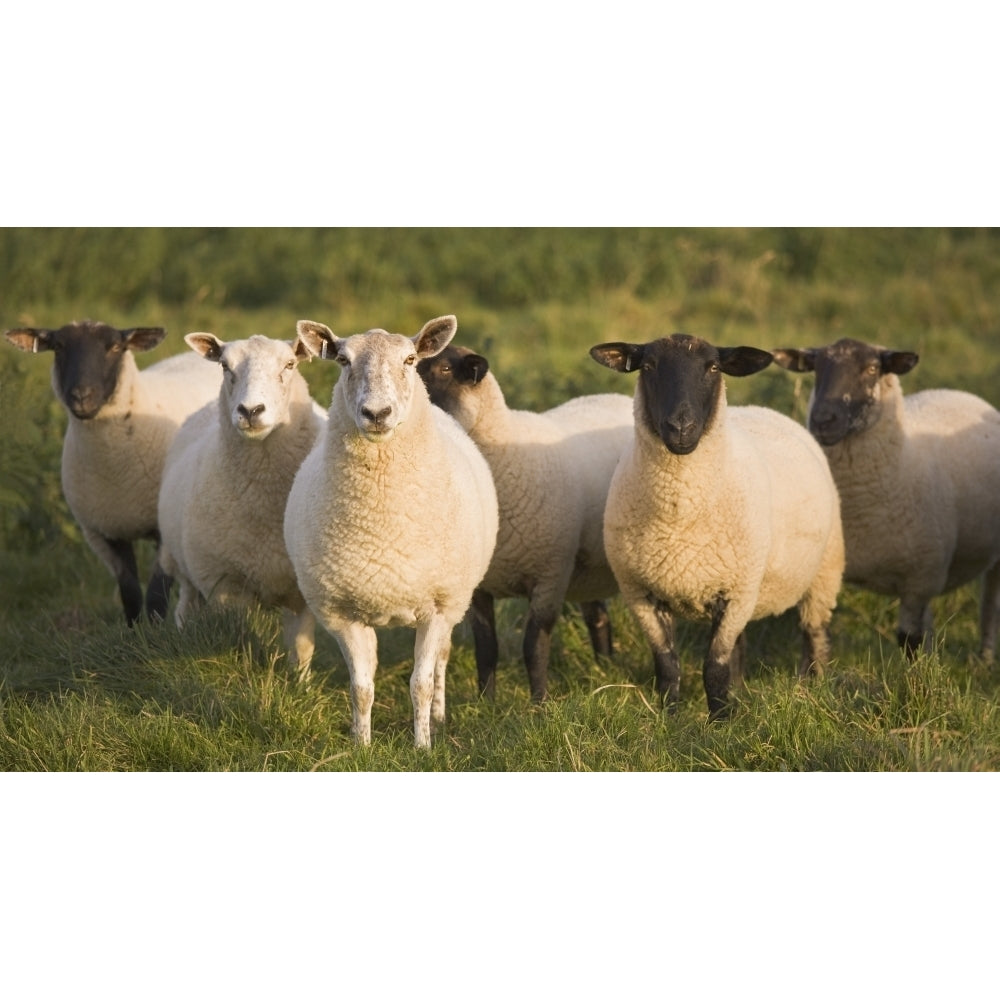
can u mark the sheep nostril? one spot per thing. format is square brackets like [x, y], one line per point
[376, 416]
[250, 413]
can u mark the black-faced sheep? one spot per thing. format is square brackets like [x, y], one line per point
[919, 481]
[552, 471]
[226, 480]
[715, 513]
[392, 518]
[121, 422]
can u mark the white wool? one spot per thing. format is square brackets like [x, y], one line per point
[226, 482]
[552, 471]
[392, 517]
[744, 526]
[112, 463]
[920, 494]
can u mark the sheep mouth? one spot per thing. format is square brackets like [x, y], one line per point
[377, 434]
[680, 447]
[84, 412]
[254, 432]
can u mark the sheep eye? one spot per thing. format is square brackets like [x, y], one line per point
[289, 366]
[874, 368]
[410, 359]
[713, 367]
[343, 361]
[446, 369]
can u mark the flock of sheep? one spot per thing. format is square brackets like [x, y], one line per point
[420, 497]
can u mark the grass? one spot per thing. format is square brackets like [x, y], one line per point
[80, 692]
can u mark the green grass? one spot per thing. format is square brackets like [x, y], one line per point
[80, 692]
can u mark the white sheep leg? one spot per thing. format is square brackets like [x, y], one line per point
[989, 612]
[359, 645]
[430, 660]
[188, 600]
[300, 640]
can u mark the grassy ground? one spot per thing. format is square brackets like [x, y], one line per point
[81, 692]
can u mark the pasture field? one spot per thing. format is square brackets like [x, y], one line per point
[80, 691]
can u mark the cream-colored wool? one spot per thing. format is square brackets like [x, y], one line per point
[744, 526]
[552, 471]
[920, 498]
[112, 462]
[392, 518]
[226, 482]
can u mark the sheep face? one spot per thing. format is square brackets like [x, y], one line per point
[88, 360]
[850, 382]
[379, 380]
[258, 378]
[680, 382]
[452, 379]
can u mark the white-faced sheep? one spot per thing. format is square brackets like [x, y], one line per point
[552, 471]
[121, 422]
[392, 518]
[919, 481]
[226, 480]
[715, 513]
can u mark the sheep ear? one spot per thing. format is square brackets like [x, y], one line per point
[435, 336]
[795, 360]
[318, 339]
[619, 357]
[30, 340]
[743, 360]
[143, 338]
[301, 350]
[206, 344]
[472, 369]
[898, 362]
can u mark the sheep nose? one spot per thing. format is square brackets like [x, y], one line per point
[376, 416]
[250, 413]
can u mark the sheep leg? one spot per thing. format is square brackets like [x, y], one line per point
[484, 635]
[537, 648]
[815, 650]
[430, 660]
[989, 612]
[658, 627]
[359, 645]
[300, 640]
[738, 661]
[727, 634]
[188, 599]
[595, 614]
[119, 557]
[916, 624]
[158, 593]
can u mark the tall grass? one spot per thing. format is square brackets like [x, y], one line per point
[79, 691]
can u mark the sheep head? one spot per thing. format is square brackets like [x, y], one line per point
[379, 380]
[680, 382]
[258, 380]
[851, 380]
[88, 359]
[453, 378]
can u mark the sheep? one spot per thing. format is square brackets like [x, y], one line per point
[392, 517]
[719, 514]
[226, 479]
[919, 481]
[121, 422]
[552, 471]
